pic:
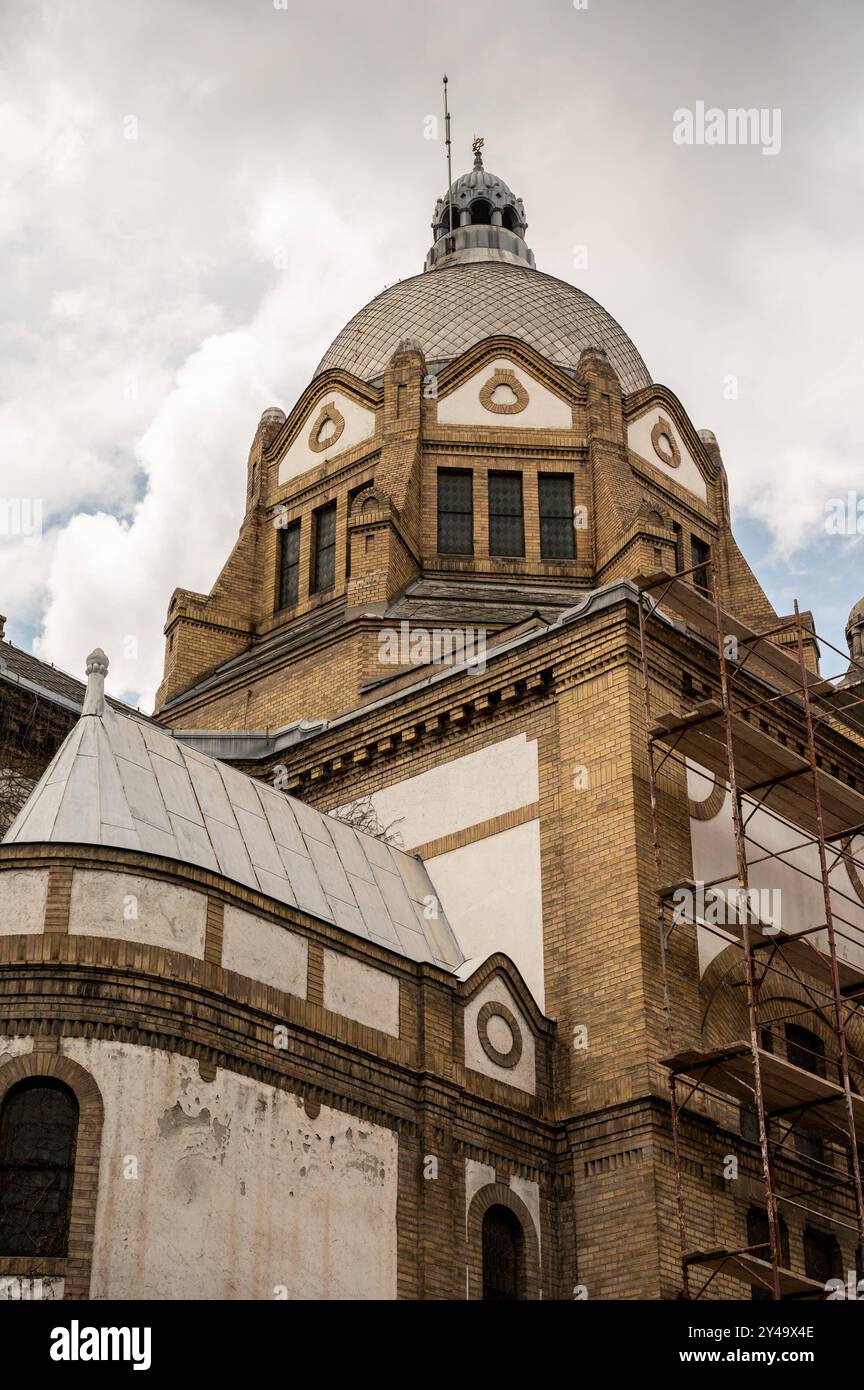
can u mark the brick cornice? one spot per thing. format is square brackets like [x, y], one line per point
[223, 1021]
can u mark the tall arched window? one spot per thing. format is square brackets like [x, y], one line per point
[502, 1255]
[38, 1134]
[481, 212]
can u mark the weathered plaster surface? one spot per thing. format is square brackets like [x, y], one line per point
[133, 908]
[238, 1194]
[360, 992]
[264, 951]
[22, 901]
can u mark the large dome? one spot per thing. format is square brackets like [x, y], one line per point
[453, 307]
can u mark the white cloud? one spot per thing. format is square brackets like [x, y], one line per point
[161, 291]
[110, 579]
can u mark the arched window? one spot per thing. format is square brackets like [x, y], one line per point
[481, 213]
[502, 1255]
[38, 1134]
[510, 220]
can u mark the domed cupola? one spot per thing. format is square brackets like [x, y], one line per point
[855, 638]
[489, 221]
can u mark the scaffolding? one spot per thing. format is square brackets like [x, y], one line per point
[762, 682]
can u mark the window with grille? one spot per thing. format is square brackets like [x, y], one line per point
[557, 532]
[804, 1049]
[289, 565]
[455, 512]
[823, 1259]
[38, 1133]
[502, 1255]
[324, 567]
[506, 526]
[700, 554]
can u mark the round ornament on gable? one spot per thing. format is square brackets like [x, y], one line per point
[664, 443]
[503, 394]
[499, 1033]
[327, 429]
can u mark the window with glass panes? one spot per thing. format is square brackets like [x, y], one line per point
[506, 526]
[455, 512]
[324, 568]
[557, 533]
[700, 553]
[289, 565]
[38, 1133]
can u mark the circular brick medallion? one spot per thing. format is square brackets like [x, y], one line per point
[318, 442]
[492, 1009]
[517, 391]
[664, 444]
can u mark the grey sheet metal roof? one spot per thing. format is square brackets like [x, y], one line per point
[453, 307]
[118, 781]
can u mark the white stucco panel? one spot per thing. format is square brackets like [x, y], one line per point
[790, 889]
[492, 892]
[687, 474]
[133, 908]
[463, 792]
[264, 951]
[359, 425]
[544, 410]
[477, 1175]
[524, 1074]
[237, 1192]
[22, 901]
[529, 1192]
[361, 992]
[14, 1045]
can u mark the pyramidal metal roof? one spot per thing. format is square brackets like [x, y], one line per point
[118, 781]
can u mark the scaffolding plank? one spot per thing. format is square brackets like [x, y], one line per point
[788, 1092]
[810, 960]
[802, 952]
[750, 1269]
[848, 704]
[758, 655]
[759, 758]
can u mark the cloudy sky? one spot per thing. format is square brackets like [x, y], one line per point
[195, 195]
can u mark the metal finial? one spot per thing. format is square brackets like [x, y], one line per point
[97, 670]
[449, 169]
[477, 146]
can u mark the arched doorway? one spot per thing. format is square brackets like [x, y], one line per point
[503, 1255]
